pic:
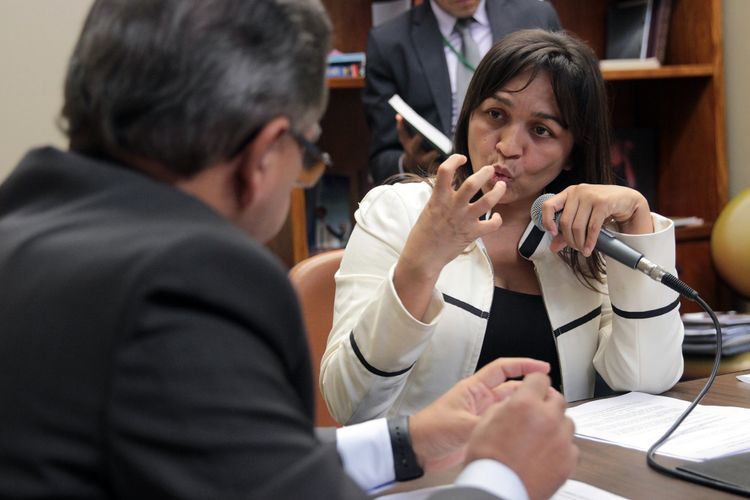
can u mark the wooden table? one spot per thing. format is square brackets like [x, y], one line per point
[699, 366]
[624, 471]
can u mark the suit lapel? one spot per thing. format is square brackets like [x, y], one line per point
[494, 13]
[425, 35]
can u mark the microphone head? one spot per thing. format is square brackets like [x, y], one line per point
[536, 210]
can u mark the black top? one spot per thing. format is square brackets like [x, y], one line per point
[519, 326]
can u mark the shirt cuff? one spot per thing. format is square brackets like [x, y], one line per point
[365, 451]
[494, 478]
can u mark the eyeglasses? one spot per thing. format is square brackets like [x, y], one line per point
[314, 161]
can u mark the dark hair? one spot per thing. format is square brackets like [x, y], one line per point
[185, 82]
[579, 90]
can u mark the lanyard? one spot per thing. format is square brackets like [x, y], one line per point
[459, 55]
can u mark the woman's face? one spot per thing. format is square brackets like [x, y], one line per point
[521, 135]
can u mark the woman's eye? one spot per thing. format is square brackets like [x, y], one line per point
[542, 131]
[495, 114]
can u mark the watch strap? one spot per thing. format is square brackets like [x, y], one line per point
[404, 461]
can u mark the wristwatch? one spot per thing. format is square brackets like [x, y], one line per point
[404, 461]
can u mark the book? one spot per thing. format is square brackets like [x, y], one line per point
[726, 318]
[345, 64]
[700, 333]
[623, 64]
[633, 156]
[432, 135]
[691, 220]
[628, 27]
[345, 58]
[657, 36]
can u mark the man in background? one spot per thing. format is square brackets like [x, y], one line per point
[424, 55]
[150, 346]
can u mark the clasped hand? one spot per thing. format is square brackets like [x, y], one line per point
[521, 424]
[585, 208]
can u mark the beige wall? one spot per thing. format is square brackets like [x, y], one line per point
[36, 39]
[737, 71]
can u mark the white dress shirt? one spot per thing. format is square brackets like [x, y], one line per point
[480, 31]
[366, 453]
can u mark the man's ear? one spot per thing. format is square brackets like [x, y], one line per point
[258, 160]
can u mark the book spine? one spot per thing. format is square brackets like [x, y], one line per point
[646, 29]
[344, 71]
[657, 44]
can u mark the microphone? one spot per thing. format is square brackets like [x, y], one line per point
[610, 246]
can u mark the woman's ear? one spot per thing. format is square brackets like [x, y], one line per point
[258, 160]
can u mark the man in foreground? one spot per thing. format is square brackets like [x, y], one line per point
[151, 347]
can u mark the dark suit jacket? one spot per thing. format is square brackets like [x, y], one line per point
[405, 56]
[148, 348]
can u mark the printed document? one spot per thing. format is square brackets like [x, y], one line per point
[571, 490]
[637, 420]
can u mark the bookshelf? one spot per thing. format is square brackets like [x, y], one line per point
[683, 101]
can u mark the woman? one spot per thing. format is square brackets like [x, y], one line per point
[440, 277]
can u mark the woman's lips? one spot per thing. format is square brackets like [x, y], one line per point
[502, 174]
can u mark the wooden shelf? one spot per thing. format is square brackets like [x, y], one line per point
[356, 82]
[670, 71]
[692, 233]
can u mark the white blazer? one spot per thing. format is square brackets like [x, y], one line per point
[381, 361]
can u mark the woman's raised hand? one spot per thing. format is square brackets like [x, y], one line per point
[449, 222]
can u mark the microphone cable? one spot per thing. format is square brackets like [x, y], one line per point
[650, 454]
[634, 260]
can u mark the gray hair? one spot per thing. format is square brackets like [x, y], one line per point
[186, 82]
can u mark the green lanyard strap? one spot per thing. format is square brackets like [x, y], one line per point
[459, 55]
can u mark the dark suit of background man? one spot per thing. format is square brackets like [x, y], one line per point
[150, 347]
[407, 56]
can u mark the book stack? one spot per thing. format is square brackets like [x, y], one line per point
[700, 334]
[346, 65]
[636, 34]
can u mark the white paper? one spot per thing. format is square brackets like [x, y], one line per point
[571, 490]
[637, 420]
[576, 490]
[744, 378]
[420, 494]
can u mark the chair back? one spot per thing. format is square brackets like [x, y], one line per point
[730, 243]
[313, 280]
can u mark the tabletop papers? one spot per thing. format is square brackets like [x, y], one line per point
[637, 420]
[571, 490]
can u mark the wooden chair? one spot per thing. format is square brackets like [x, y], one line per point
[313, 280]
